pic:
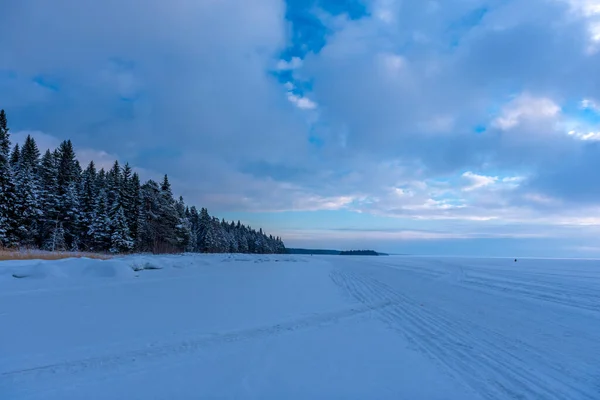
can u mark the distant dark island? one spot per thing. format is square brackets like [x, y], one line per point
[335, 252]
[361, 253]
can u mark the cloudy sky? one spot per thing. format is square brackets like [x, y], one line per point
[463, 127]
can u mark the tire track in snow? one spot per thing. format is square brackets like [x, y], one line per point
[163, 350]
[544, 288]
[495, 366]
[582, 298]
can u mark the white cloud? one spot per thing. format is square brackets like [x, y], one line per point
[591, 136]
[526, 107]
[302, 102]
[590, 104]
[380, 84]
[392, 64]
[292, 64]
[438, 124]
[540, 199]
[589, 11]
[476, 181]
[587, 8]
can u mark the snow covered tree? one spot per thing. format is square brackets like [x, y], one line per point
[113, 184]
[30, 154]
[56, 240]
[130, 200]
[49, 199]
[14, 157]
[68, 200]
[205, 244]
[7, 188]
[51, 203]
[99, 229]
[71, 218]
[194, 219]
[183, 229]
[127, 193]
[28, 199]
[133, 210]
[158, 224]
[120, 238]
[87, 200]
[171, 222]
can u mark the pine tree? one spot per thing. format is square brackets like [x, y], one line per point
[7, 188]
[113, 184]
[120, 238]
[30, 154]
[152, 227]
[204, 227]
[210, 240]
[165, 188]
[14, 158]
[134, 212]
[28, 199]
[183, 229]
[53, 204]
[170, 221]
[68, 178]
[99, 230]
[194, 219]
[49, 199]
[87, 197]
[56, 240]
[72, 217]
[127, 195]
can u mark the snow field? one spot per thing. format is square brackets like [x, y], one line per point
[240, 326]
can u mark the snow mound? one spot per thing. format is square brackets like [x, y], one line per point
[73, 268]
[144, 265]
[39, 270]
[107, 270]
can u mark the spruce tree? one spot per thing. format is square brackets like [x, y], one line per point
[170, 221]
[149, 222]
[99, 230]
[28, 199]
[183, 229]
[120, 238]
[113, 184]
[194, 219]
[7, 188]
[68, 200]
[53, 204]
[49, 198]
[30, 154]
[88, 197]
[14, 158]
[130, 193]
[56, 240]
[205, 244]
[133, 213]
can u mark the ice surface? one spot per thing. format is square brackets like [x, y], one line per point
[297, 327]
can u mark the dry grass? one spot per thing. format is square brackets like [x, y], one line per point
[6, 255]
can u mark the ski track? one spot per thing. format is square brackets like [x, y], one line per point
[579, 296]
[162, 350]
[495, 366]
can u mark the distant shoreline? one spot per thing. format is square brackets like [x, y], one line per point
[336, 252]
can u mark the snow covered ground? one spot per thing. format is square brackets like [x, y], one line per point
[298, 327]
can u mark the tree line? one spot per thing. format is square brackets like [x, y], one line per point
[49, 202]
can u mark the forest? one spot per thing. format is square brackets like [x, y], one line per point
[49, 202]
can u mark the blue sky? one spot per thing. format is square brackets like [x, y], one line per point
[429, 127]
